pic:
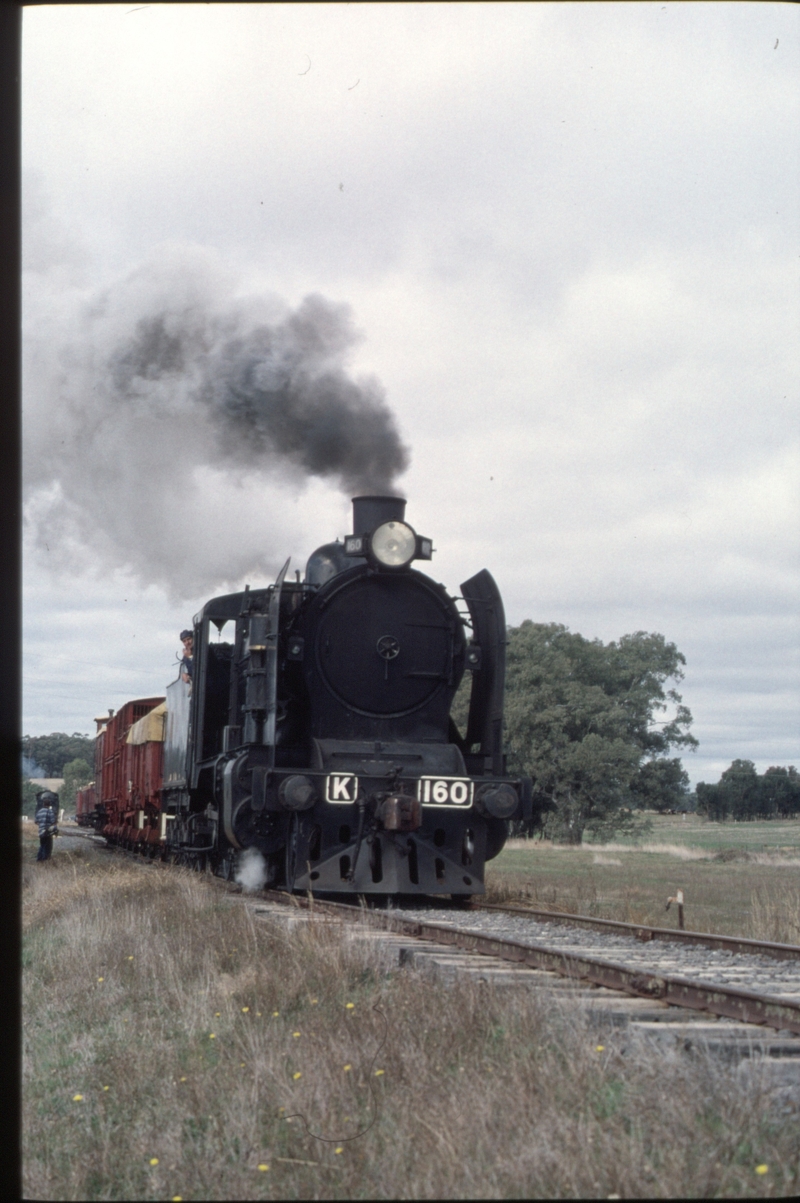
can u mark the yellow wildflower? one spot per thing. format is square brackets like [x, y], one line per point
[762, 1169]
[263, 1167]
[295, 1033]
[101, 979]
[217, 1014]
[339, 1149]
[297, 1075]
[183, 1079]
[349, 1006]
[212, 1035]
[245, 1010]
[275, 1014]
[347, 1068]
[130, 958]
[106, 1088]
[154, 1161]
[314, 1002]
[77, 1098]
[600, 1048]
[379, 1072]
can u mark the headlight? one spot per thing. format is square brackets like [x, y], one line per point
[394, 544]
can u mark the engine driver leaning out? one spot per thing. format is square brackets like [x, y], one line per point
[187, 639]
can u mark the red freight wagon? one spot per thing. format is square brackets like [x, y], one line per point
[130, 758]
[85, 805]
[88, 807]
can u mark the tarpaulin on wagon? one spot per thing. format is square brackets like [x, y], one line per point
[150, 728]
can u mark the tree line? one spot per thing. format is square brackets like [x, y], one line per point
[741, 793]
[49, 753]
[56, 755]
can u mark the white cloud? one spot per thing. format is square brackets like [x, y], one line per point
[569, 236]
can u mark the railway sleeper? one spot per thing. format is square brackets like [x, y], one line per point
[668, 1028]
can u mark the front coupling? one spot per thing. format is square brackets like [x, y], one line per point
[399, 812]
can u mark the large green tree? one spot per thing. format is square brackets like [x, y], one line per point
[583, 720]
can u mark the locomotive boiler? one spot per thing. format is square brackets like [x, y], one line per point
[317, 728]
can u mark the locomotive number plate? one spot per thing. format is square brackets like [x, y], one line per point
[341, 788]
[445, 791]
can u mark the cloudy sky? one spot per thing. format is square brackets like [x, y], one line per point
[547, 255]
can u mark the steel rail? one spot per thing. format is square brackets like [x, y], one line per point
[645, 933]
[726, 1001]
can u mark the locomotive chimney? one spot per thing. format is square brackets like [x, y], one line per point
[370, 512]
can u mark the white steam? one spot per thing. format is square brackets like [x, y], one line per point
[251, 871]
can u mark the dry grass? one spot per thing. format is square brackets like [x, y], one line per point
[737, 879]
[152, 995]
[774, 918]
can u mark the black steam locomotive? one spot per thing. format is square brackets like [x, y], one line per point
[320, 733]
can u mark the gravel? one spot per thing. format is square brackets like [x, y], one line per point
[760, 974]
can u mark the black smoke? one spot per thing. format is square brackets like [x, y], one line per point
[278, 392]
[175, 426]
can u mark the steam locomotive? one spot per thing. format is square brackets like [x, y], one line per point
[319, 731]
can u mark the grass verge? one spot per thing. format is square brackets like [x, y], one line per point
[737, 878]
[173, 1047]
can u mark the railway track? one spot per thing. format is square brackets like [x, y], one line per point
[737, 997]
[646, 932]
[626, 1011]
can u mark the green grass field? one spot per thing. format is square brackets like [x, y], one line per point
[737, 878]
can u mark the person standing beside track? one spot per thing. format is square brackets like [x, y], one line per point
[46, 819]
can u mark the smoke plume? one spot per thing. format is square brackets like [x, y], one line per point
[251, 871]
[171, 424]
